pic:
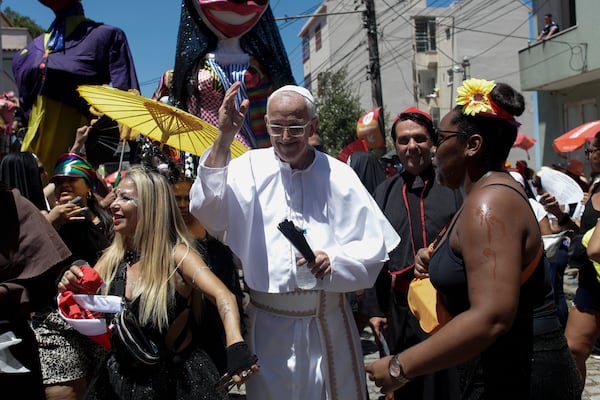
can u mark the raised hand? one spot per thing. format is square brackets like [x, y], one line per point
[230, 122]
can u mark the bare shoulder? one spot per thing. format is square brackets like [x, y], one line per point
[498, 206]
[183, 253]
[502, 192]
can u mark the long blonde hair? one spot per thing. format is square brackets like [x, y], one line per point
[160, 228]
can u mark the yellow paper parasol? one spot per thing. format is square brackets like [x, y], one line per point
[156, 120]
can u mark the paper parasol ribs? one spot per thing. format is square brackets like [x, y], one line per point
[156, 120]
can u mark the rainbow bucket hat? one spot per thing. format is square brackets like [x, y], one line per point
[73, 165]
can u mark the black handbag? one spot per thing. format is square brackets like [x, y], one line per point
[130, 336]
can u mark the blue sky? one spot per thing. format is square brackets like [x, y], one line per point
[151, 28]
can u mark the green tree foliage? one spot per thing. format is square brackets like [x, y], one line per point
[338, 111]
[21, 21]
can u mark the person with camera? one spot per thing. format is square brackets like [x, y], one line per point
[83, 224]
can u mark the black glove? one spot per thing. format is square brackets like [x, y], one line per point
[239, 358]
[239, 361]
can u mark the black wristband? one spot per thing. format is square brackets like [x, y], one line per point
[564, 219]
[239, 357]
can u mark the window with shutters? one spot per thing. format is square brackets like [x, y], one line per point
[425, 34]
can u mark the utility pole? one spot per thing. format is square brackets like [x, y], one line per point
[369, 22]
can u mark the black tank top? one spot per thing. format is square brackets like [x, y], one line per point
[588, 277]
[448, 274]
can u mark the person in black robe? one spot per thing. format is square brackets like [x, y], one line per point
[368, 168]
[31, 257]
[371, 173]
[21, 171]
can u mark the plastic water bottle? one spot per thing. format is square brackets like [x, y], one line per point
[304, 278]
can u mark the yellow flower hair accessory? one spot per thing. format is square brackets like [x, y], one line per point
[473, 95]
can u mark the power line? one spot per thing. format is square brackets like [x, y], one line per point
[394, 60]
[289, 23]
[332, 27]
[288, 17]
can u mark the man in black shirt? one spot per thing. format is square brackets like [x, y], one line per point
[550, 28]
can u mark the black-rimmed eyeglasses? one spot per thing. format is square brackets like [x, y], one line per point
[590, 151]
[293, 130]
[440, 140]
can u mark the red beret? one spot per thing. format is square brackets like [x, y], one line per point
[414, 110]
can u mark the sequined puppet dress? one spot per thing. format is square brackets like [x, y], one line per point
[214, 50]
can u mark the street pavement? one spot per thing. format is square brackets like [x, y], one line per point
[592, 383]
[591, 390]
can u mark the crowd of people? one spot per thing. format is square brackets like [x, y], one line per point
[262, 270]
[445, 216]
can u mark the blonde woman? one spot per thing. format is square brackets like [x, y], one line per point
[152, 264]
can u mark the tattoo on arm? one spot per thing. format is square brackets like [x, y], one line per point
[224, 308]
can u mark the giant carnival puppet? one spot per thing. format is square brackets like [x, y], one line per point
[221, 42]
[75, 51]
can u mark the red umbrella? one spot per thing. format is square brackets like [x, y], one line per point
[523, 142]
[576, 138]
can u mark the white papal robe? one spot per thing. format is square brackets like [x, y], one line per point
[306, 340]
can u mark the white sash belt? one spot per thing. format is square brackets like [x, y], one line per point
[301, 303]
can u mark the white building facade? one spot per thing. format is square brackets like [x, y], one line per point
[11, 40]
[426, 48]
[564, 73]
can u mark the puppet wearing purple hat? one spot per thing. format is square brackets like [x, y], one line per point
[75, 51]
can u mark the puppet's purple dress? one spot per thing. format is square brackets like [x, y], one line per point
[93, 53]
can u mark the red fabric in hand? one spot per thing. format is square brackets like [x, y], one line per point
[90, 280]
[67, 305]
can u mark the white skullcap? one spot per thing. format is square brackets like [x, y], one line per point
[302, 91]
